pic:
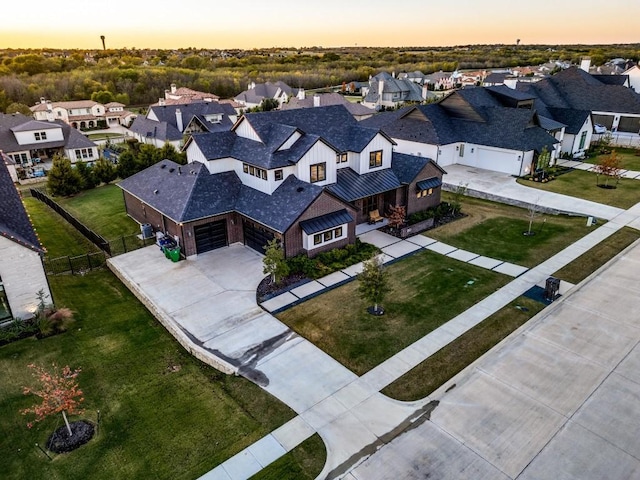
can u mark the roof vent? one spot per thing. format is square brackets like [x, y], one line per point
[171, 170]
[164, 165]
[155, 192]
[300, 189]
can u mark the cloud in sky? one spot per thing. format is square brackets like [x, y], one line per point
[254, 23]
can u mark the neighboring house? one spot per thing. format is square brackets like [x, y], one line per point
[495, 78]
[22, 273]
[82, 114]
[415, 77]
[386, 91]
[440, 80]
[184, 95]
[612, 105]
[171, 123]
[633, 74]
[31, 143]
[257, 92]
[473, 127]
[305, 177]
[359, 111]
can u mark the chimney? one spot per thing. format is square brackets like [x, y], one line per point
[49, 106]
[585, 64]
[301, 94]
[380, 90]
[49, 114]
[179, 120]
[316, 100]
[173, 88]
[162, 102]
[42, 100]
[252, 85]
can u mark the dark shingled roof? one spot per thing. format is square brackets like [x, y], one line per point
[325, 222]
[189, 192]
[17, 122]
[152, 129]
[407, 167]
[576, 89]
[14, 221]
[612, 79]
[351, 186]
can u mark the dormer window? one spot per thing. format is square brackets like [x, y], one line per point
[375, 159]
[40, 135]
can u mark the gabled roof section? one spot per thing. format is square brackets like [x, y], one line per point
[328, 99]
[71, 138]
[184, 192]
[34, 125]
[281, 209]
[14, 221]
[152, 129]
[407, 167]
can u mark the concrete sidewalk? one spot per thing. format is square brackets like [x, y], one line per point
[503, 188]
[589, 167]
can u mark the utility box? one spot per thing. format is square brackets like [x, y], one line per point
[147, 230]
[552, 289]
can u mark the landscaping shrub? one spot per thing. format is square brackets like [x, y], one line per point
[331, 261]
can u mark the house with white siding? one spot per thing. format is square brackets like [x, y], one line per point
[306, 177]
[83, 114]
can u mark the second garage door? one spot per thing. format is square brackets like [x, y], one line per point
[256, 236]
[210, 236]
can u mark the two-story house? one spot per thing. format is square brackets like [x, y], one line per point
[31, 143]
[306, 177]
[82, 114]
[257, 92]
[384, 90]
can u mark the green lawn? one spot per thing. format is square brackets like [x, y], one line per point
[427, 290]
[164, 414]
[582, 184]
[102, 210]
[56, 235]
[629, 158]
[440, 367]
[589, 262]
[496, 230]
[304, 462]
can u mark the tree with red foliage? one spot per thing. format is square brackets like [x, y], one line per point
[59, 392]
[609, 166]
[396, 216]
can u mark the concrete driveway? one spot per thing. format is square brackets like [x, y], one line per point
[503, 188]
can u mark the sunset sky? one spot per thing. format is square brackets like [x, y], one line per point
[328, 23]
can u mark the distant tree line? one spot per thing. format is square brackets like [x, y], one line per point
[140, 77]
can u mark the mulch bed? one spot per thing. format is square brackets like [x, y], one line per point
[61, 442]
[267, 289]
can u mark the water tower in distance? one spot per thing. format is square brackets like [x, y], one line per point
[103, 45]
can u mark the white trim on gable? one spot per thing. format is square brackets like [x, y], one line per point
[244, 129]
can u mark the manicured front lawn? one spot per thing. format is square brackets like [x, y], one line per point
[102, 210]
[164, 414]
[629, 158]
[440, 367]
[427, 290]
[582, 184]
[589, 262]
[496, 230]
[56, 235]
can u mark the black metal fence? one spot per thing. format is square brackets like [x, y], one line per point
[92, 236]
[75, 265]
[89, 261]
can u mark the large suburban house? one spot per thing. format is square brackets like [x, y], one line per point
[30, 143]
[83, 114]
[384, 90]
[257, 92]
[472, 127]
[22, 273]
[172, 123]
[359, 111]
[574, 91]
[183, 95]
[306, 177]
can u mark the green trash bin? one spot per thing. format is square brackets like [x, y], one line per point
[174, 254]
[166, 252]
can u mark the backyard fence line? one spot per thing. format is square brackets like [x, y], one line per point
[91, 260]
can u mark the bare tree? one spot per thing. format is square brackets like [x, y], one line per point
[533, 212]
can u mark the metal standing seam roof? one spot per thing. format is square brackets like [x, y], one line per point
[432, 182]
[351, 186]
[325, 222]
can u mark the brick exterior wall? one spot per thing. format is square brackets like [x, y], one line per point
[325, 203]
[234, 231]
[418, 204]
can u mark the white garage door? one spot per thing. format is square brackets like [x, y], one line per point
[498, 161]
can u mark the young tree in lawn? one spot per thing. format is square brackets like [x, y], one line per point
[373, 284]
[59, 392]
[63, 180]
[533, 212]
[274, 261]
[609, 166]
